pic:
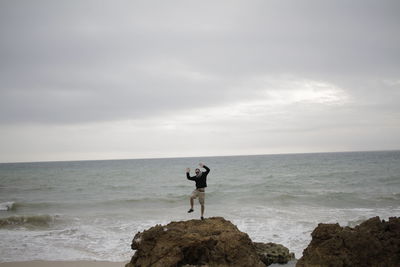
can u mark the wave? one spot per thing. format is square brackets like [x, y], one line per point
[393, 196]
[156, 199]
[30, 222]
[390, 180]
[13, 206]
[167, 199]
[6, 206]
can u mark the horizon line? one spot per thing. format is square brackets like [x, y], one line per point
[215, 156]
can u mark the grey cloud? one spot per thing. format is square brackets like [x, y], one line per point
[76, 61]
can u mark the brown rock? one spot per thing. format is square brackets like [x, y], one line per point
[212, 242]
[270, 253]
[372, 243]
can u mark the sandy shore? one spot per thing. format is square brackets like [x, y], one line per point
[87, 264]
[63, 264]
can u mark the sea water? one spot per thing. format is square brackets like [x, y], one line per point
[90, 210]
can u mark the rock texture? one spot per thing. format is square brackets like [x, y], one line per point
[270, 253]
[212, 242]
[372, 243]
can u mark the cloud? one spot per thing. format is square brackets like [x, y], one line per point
[265, 70]
[84, 61]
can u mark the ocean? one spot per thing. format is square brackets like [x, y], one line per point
[90, 210]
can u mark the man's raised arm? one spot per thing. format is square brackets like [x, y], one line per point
[188, 174]
[205, 167]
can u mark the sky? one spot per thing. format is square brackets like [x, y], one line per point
[89, 80]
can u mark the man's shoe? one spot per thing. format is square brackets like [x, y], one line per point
[191, 210]
[202, 218]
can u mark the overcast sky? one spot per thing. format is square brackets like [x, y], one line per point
[135, 79]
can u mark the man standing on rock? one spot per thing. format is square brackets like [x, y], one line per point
[201, 183]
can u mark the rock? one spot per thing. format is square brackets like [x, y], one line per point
[211, 242]
[270, 253]
[372, 243]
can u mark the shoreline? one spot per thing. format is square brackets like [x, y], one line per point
[83, 263]
[78, 263]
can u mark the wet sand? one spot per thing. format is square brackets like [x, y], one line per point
[63, 264]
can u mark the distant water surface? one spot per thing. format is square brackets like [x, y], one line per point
[90, 210]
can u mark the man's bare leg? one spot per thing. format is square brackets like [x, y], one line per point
[202, 211]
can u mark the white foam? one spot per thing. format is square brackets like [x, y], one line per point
[102, 239]
[109, 237]
[6, 206]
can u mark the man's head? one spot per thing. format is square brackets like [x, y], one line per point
[197, 171]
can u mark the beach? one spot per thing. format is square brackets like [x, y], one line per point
[63, 264]
[85, 264]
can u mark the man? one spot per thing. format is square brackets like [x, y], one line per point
[201, 183]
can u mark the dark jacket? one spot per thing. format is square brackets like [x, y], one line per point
[201, 181]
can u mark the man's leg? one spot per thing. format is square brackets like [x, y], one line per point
[191, 204]
[202, 197]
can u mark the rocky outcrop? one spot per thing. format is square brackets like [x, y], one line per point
[372, 243]
[210, 242]
[270, 253]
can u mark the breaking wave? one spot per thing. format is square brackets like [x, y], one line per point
[29, 222]
[6, 206]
